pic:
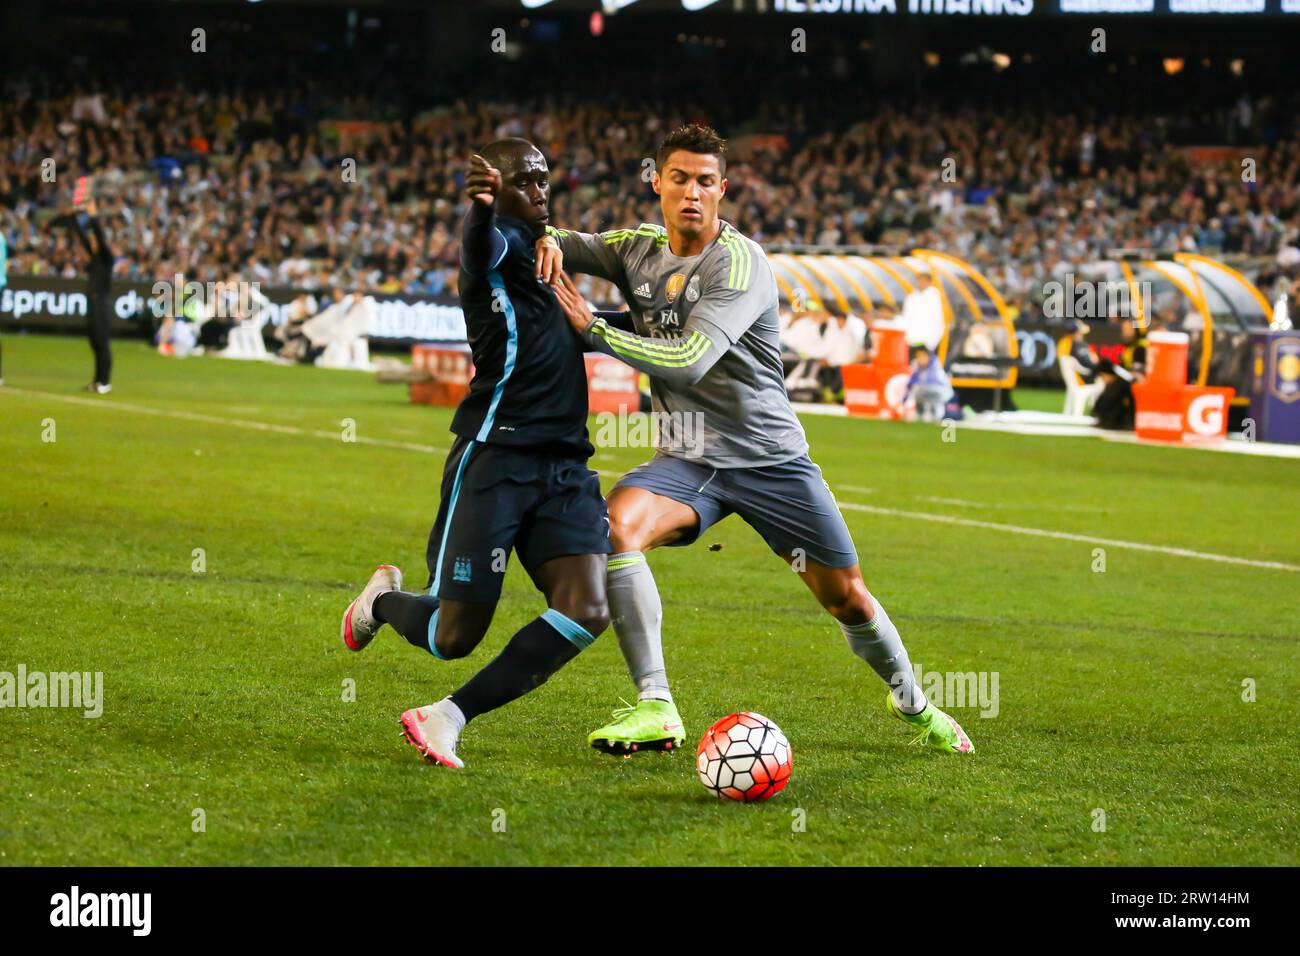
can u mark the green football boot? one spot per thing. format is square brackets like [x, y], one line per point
[645, 725]
[937, 729]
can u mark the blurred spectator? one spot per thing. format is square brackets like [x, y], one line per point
[293, 343]
[923, 314]
[844, 338]
[221, 180]
[1082, 353]
[980, 341]
[1114, 408]
[928, 388]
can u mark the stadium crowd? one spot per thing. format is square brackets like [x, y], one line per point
[293, 188]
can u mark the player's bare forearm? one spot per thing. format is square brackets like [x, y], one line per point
[578, 253]
[573, 304]
[549, 257]
[683, 359]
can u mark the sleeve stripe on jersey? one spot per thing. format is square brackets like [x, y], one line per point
[742, 261]
[649, 230]
[505, 249]
[672, 357]
[647, 345]
[557, 233]
[698, 341]
[651, 348]
[745, 262]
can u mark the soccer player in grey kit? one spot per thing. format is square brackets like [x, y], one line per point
[704, 305]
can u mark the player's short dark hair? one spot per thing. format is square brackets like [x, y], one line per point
[694, 139]
[497, 150]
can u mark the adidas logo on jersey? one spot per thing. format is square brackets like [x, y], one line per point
[644, 291]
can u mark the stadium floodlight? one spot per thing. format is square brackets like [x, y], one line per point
[690, 6]
[535, 4]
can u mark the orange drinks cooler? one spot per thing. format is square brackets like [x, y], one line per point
[448, 368]
[611, 386]
[877, 390]
[1170, 410]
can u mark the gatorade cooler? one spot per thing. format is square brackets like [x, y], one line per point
[1167, 359]
[1170, 410]
[891, 344]
[611, 386]
[877, 390]
[448, 370]
[1185, 415]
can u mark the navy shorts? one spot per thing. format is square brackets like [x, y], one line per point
[496, 498]
[789, 505]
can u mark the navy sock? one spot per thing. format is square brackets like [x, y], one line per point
[538, 650]
[408, 614]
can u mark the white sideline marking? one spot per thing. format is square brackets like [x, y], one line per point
[851, 505]
[1067, 536]
[1232, 445]
[964, 503]
[245, 423]
[1052, 425]
[233, 422]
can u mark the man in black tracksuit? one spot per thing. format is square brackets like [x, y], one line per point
[99, 299]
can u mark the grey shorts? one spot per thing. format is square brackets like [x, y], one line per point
[789, 505]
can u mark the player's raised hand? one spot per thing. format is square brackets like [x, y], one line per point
[483, 181]
[574, 305]
[550, 260]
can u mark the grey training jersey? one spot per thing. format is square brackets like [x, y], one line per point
[738, 415]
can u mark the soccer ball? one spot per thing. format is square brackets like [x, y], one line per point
[744, 757]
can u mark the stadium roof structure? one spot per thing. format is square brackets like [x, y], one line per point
[1212, 302]
[978, 332]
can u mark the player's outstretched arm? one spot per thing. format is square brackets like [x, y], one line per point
[683, 359]
[581, 253]
[482, 247]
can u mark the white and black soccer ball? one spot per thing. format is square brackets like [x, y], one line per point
[744, 757]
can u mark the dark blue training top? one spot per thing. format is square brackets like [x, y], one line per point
[530, 382]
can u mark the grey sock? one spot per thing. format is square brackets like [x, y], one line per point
[637, 615]
[877, 642]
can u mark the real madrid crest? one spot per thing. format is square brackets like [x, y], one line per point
[693, 289]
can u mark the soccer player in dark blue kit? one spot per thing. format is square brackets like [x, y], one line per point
[516, 477]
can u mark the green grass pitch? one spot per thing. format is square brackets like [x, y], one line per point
[1119, 690]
